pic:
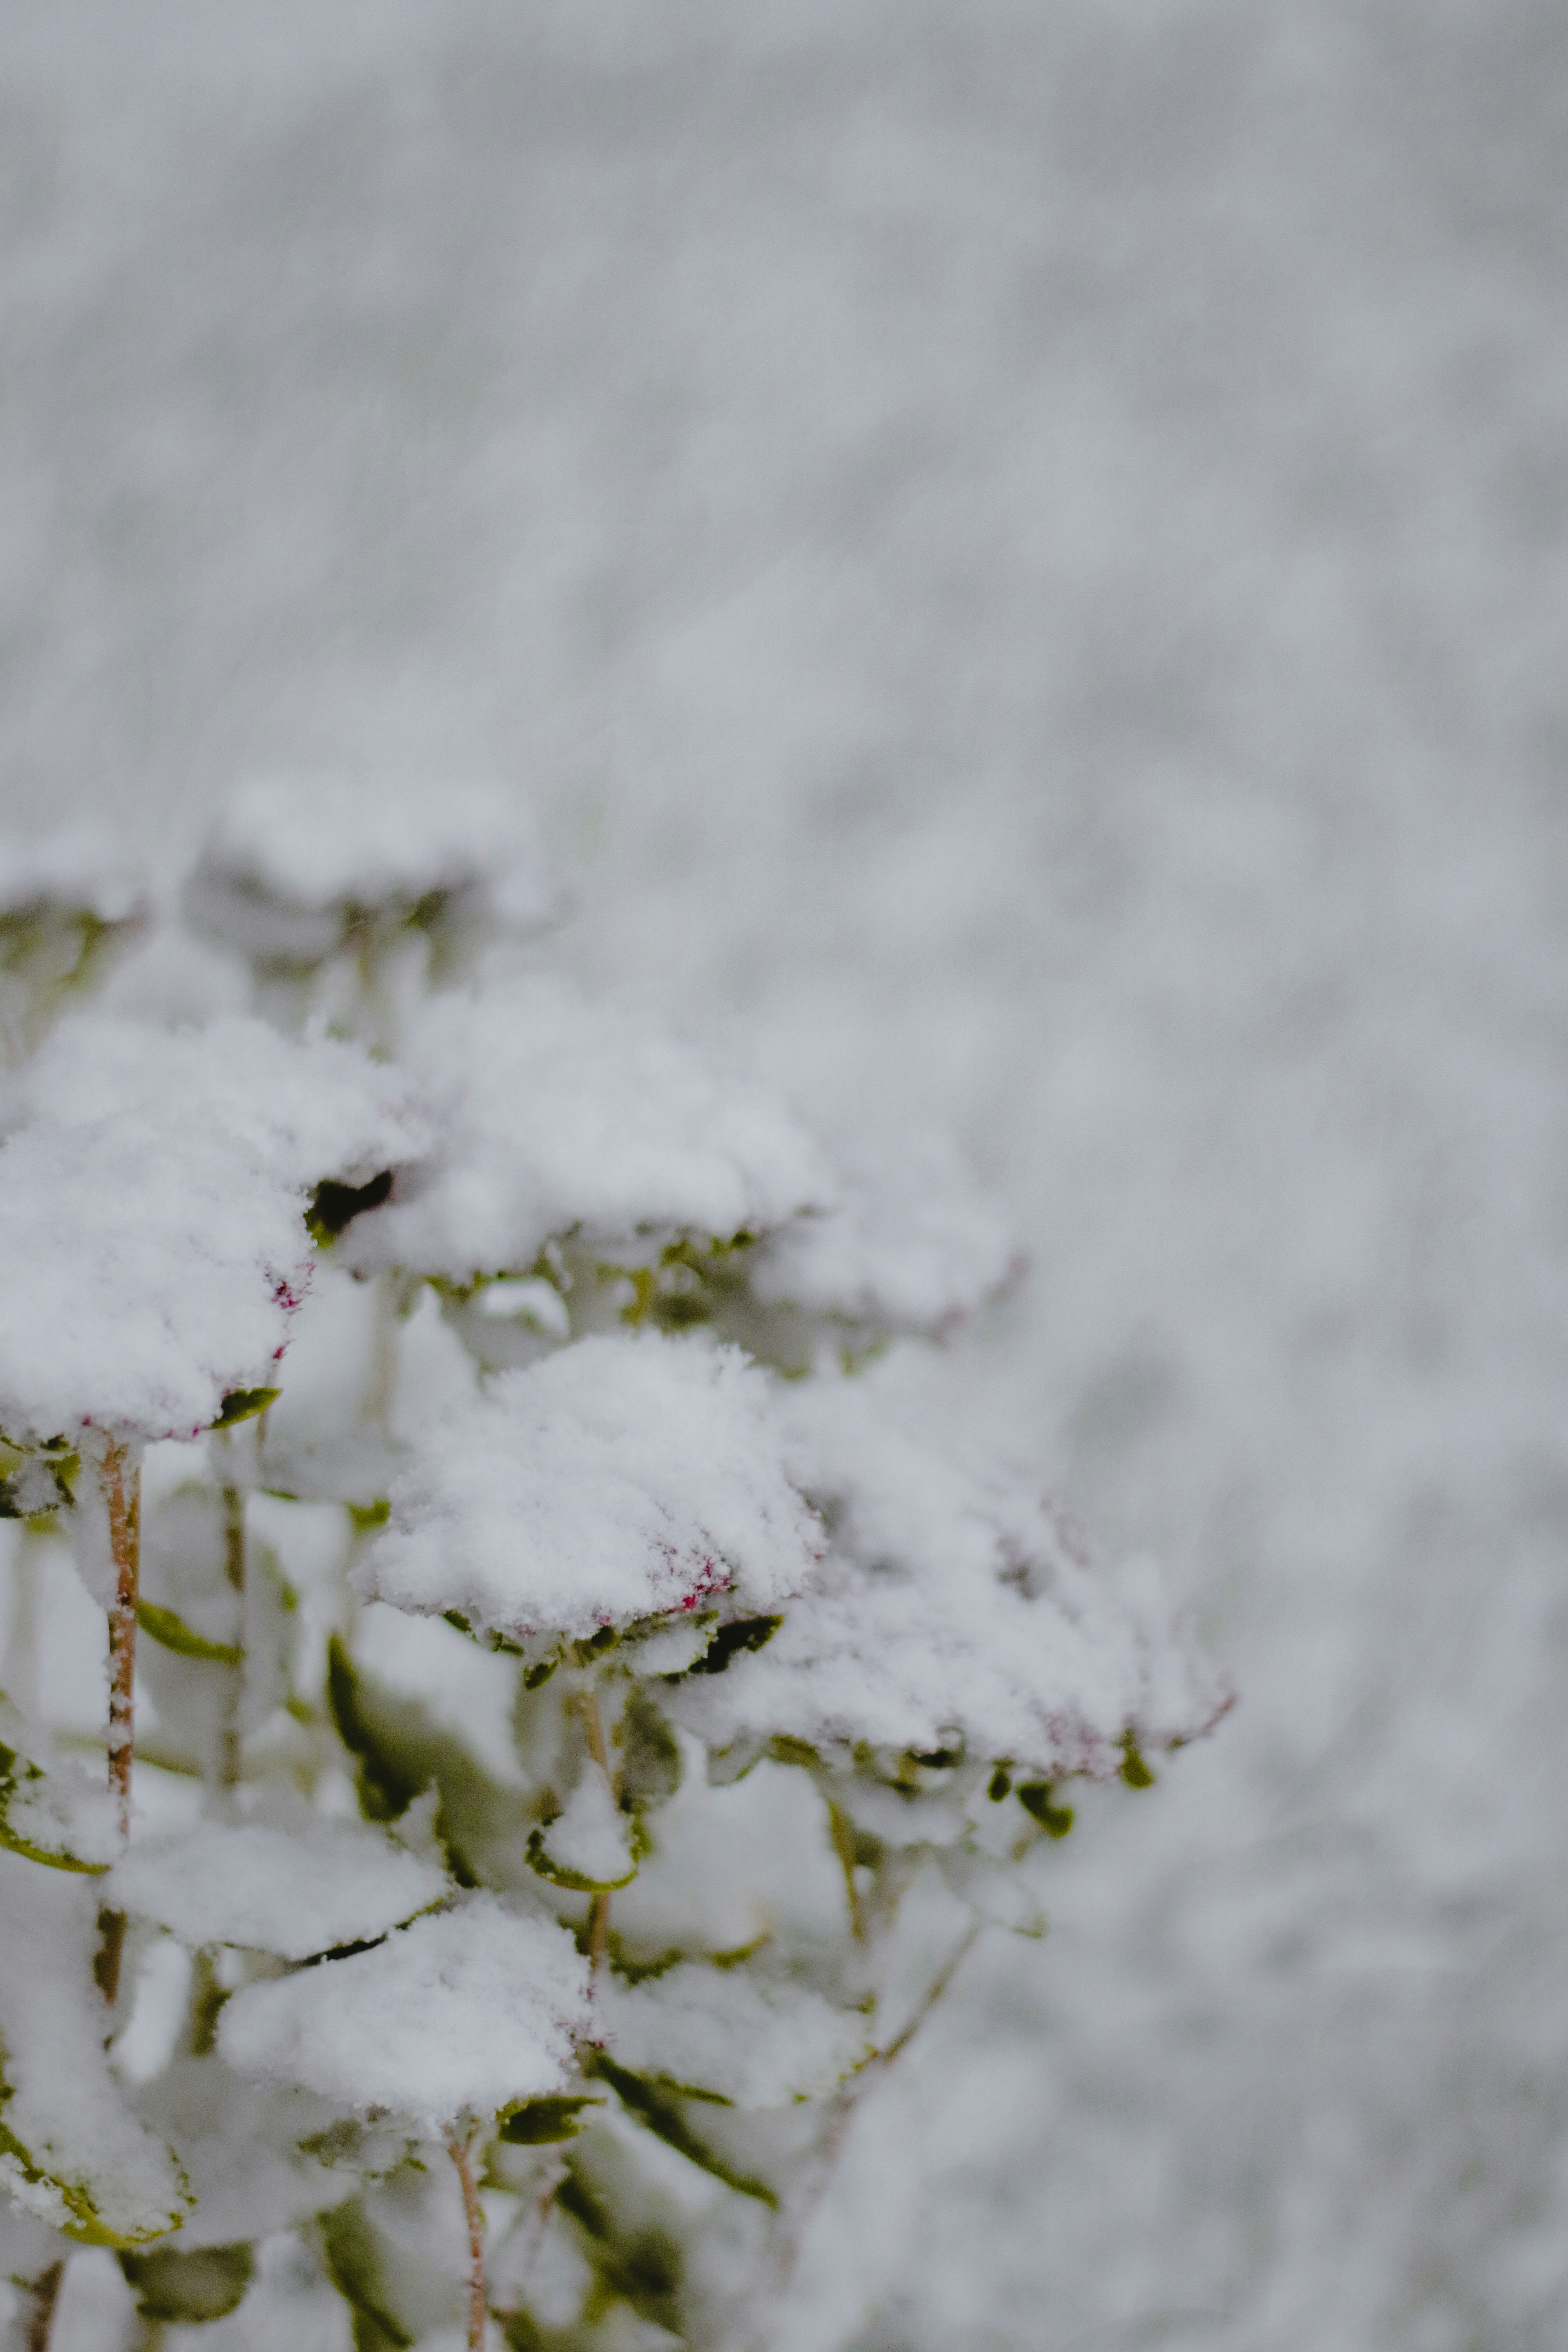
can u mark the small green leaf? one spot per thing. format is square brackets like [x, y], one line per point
[206, 2283]
[170, 1630]
[1035, 1796]
[334, 1206]
[1134, 1771]
[1001, 1784]
[741, 1634]
[659, 2111]
[537, 2123]
[785, 1749]
[244, 1404]
[366, 1516]
[16, 1769]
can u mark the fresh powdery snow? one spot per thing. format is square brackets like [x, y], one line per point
[293, 1892]
[70, 2150]
[949, 1612]
[300, 1110]
[295, 868]
[52, 1808]
[614, 1480]
[757, 2041]
[459, 2014]
[559, 1117]
[150, 1215]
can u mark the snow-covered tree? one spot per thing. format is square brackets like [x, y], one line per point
[588, 1705]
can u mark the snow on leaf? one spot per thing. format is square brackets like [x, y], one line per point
[730, 2033]
[949, 1615]
[587, 1845]
[614, 1480]
[297, 868]
[150, 1216]
[293, 1892]
[71, 2150]
[461, 2013]
[563, 1116]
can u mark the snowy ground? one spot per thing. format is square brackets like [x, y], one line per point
[1021, 548]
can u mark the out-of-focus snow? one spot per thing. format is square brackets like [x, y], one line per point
[1021, 552]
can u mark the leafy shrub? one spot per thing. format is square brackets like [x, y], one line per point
[545, 1864]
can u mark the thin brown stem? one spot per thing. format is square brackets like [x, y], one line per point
[41, 2318]
[599, 1749]
[229, 1757]
[457, 2150]
[598, 1930]
[122, 1500]
[120, 1482]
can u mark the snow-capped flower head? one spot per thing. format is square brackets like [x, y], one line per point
[617, 1480]
[950, 1615]
[560, 1117]
[151, 1197]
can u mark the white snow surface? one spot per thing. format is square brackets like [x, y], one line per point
[298, 1110]
[759, 2041]
[150, 1215]
[292, 862]
[458, 2014]
[563, 1115]
[950, 1609]
[293, 1892]
[614, 1480]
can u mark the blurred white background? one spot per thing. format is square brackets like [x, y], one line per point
[1020, 551]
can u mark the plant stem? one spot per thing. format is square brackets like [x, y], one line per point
[599, 1749]
[122, 1496]
[41, 2318]
[233, 1567]
[841, 1829]
[457, 2150]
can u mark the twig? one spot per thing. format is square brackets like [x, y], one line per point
[457, 2150]
[599, 1749]
[234, 1699]
[824, 2162]
[121, 1498]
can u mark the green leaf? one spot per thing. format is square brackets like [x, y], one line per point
[651, 1760]
[1035, 1796]
[540, 2122]
[166, 1627]
[20, 1779]
[388, 1783]
[334, 1206]
[659, 2111]
[244, 1404]
[206, 2283]
[1134, 1771]
[741, 1634]
[356, 2264]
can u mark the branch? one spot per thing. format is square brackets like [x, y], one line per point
[457, 2150]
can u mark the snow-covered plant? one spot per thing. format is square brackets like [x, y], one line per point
[587, 1701]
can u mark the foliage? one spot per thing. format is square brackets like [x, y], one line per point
[545, 1862]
